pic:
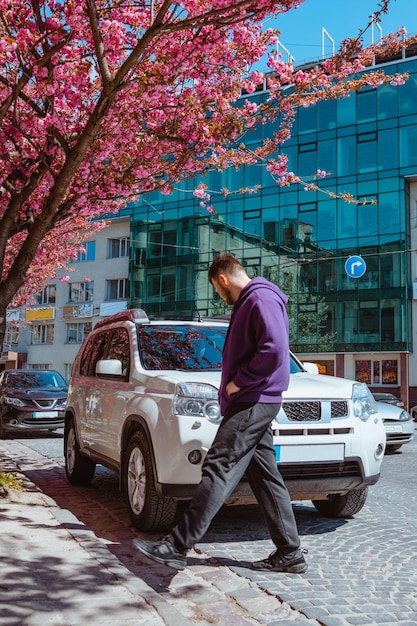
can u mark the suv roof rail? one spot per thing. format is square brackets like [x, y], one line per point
[130, 315]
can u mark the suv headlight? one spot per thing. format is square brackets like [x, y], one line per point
[196, 400]
[364, 404]
[13, 401]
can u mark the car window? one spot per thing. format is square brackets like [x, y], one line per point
[93, 352]
[183, 347]
[186, 347]
[119, 349]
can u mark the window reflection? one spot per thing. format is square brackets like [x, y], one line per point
[181, 347]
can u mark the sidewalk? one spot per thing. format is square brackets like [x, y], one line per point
[49, 577]
[56, 571]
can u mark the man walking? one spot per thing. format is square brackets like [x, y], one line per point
[255, 372]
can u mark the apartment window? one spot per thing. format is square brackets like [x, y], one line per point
[88, 252]
[117, 247]
[81, 292]
[77, 332]
[117, 289]
[42, 334]
[46, 296]
[67, 371]
[12, 335]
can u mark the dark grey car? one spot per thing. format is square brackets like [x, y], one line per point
[31, 400]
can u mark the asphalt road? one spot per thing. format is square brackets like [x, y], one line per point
[362, 570]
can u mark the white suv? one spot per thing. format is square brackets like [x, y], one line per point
[143, 402]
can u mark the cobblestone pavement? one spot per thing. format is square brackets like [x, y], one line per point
[362, 570]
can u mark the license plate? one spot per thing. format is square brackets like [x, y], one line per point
[393, 429]
[319, 452]
[41, 414]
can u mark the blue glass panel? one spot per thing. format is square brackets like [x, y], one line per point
[367, 156]
[307, 119]
[408, 143]
[387, 96]
[389, 216]
[407, 96]
[347, 223]
[366, 103]
[346, 111]
[288, 198]
[388, 184]
[326, 113]
[368, 220]
[326, 156]
[346, 156]
[253, 175]
[307, 164]
[368, 189]
[326, 222]
[387, 149]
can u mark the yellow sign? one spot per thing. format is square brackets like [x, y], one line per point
[47, 313]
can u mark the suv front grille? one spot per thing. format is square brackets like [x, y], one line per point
[339, 408]
[320, 470]
[302, 411]
[45, 404]
[312, 411]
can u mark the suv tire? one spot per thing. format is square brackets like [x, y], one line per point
[79, 469]
[147, 509]
[337, 505]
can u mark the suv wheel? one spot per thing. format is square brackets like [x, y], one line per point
[147, 509]
[337, 505]
[79, 469]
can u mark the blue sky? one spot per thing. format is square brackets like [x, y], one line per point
[301, 29]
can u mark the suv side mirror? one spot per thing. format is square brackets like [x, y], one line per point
[311, 368]
[109, 367]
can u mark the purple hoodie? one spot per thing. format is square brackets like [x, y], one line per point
[256, 350]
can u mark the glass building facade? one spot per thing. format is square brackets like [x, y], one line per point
[301, 240]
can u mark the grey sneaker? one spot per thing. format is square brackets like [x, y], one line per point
[276, 562]
[162, 551]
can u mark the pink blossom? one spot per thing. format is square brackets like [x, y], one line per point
[177, 113]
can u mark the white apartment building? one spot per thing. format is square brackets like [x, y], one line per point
[49, 331]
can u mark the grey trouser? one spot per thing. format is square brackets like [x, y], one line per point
[244, 443]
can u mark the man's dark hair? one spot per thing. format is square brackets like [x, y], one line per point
[224, 263]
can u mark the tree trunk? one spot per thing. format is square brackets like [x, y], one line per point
[3, 307]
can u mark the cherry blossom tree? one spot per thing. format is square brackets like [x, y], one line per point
[102, 99]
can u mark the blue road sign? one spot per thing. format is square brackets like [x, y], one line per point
[355, 266]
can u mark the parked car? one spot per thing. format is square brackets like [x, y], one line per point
[143, 401]
[413, 413]
[31, 400]
[398, 424]
[389, 398]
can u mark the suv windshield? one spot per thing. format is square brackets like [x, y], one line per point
[25, 380]
[186, 347]
[181, 347]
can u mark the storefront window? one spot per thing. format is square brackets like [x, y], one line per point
[376, 372]
[363, 371]
[390, 372]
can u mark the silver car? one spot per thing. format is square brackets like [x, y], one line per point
[399, 426]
